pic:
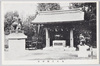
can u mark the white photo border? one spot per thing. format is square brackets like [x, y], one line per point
[27, 62]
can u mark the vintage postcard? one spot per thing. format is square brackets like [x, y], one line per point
[62, 32]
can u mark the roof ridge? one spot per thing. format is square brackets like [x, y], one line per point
[58, 12]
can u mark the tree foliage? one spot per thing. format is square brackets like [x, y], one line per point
[88, 8]
[48, 6]
[29, 28]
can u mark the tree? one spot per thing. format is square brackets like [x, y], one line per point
[48, 6]
[88, 8]
[29, 29]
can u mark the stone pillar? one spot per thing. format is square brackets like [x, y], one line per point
[71, 38]
[47, 38]
[38, 28]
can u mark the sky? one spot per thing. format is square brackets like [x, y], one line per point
[24, 9]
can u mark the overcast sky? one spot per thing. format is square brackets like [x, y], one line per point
[24, 9]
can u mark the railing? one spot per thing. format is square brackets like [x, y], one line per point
[33, 45]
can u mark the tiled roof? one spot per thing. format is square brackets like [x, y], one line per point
[59, 16]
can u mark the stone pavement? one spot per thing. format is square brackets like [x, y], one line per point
[44, 55]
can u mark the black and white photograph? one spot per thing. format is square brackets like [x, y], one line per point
[50, 32]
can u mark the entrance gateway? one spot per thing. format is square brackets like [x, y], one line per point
[58, 26]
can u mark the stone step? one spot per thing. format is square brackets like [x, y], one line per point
[53, 48]
[70, 49]
[59, 49]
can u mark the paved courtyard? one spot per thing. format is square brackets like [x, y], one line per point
[44, 55]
